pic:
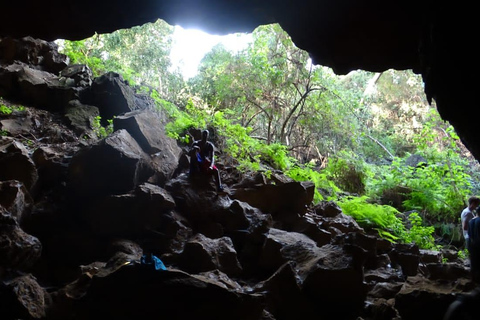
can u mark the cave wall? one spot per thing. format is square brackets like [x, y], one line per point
[434, 39]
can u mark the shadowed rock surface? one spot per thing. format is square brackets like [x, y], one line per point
[78, 214]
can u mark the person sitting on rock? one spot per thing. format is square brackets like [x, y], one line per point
[202, 159]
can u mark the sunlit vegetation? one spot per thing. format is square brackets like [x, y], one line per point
[352, 135]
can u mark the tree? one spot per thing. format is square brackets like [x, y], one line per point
[272, 87]
[140, 54]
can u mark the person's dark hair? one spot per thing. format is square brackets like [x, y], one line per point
[474, 199]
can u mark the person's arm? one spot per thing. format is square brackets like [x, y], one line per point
[193, 149]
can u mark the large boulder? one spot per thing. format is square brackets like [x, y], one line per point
[16, 163]
[133, 291]
[111, 94]
[36, 87]
[113, 166]
[421, 298]
[18, 250]
[130, 214]
[80, 118]
[333, 282]
[291, 198]
[15, 198]
[148, 129]
[23, 298]
[41, 54]
[331, 278]
[203, 254]
[284, 297]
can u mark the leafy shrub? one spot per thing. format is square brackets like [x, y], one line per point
[5, 110]
[347, 173]
[319, 178]
[101, 131]
[418, 233]
[385, 220]
[370, 216]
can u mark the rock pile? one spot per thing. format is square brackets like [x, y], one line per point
[77, 213]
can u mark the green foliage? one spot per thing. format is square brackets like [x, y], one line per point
[463, 254]
[386, 221]
[139, 54]
[382, 218]
[319, 178]
[272, 110]
[184, 120]
[6, 110]
[439, 187]
[418, 233]
[348, 172]
[101, 131]
[79, 52]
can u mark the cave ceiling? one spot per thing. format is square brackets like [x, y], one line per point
[434, 39]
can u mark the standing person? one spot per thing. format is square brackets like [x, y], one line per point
[474, 245]
[467, 215]
[465, 307]
[202, 159]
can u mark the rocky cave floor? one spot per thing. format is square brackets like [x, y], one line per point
[77, 213]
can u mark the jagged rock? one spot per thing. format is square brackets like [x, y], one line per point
[35, 52]
[36, 87]
[113, 166]
[80, 117]
[447, 271]
[286, 199]
[430, 256]
[22, 298]
[333, 282]
[16, 163]
[52, 165]
[111, 94]
[281, 246]
[331, 277]
[327, 209]
[335, 222]
[196, 198]
[16, 126]
[203, 254]
[385, 290]
[18, 250]
[380, 309]
[421, 298]
[378, 261]
[15, 198]
[169, 239]
[313, 230]
[147, 128]
[76, 75]
[284, 297]
[133, 292]
[407, 256]
[159, 199]
[130, 214]
[383, 274]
